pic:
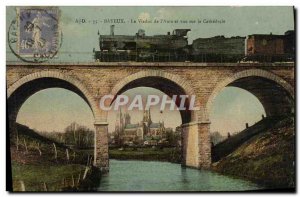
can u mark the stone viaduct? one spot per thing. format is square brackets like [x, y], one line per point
[272, 83]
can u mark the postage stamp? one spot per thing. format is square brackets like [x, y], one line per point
[37, 33]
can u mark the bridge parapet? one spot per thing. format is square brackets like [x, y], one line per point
[152, 64]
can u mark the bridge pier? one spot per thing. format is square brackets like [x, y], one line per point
[204, 143]
[101, 157]
[272, 83]
[196, 146]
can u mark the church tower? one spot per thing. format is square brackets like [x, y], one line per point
[119, 126]
[146, 121]
[127, 119]
[120, 121]
[147, 117]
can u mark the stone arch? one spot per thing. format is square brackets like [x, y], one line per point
[196, 147]
[155, 76]
[258, 74]
[61, 78]
[153, 73]
[23, 88]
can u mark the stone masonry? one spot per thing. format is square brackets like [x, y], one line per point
[273, 84]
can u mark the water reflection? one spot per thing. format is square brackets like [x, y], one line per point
[164, 176]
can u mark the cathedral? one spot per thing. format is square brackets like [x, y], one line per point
[139, 132]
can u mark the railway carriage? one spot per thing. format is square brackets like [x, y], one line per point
[174, 47]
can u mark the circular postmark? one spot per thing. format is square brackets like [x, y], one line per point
[34, 36]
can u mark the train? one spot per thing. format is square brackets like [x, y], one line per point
[174, 47]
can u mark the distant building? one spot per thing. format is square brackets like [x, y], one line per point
[145, 130]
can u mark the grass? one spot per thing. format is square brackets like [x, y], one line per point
[266, 159]
[34, 176]
[39, 172]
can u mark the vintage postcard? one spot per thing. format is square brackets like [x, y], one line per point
[150, 99]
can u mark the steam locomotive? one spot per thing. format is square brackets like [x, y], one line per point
[174, 47]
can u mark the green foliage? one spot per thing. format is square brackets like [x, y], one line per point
[80, 136]
[172, 137]
[35, 169]
[147, 154]
[34, 176]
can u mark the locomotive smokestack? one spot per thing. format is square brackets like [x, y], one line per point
[112, 30]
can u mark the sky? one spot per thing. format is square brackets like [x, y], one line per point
[233, 107]
[79, 39]
[48, 110]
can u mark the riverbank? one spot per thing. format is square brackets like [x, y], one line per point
[45, 177]
[267, 159]
[170, 154]
[40, 164]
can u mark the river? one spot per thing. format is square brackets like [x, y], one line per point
[132, 175]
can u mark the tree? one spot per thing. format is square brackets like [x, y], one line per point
[80, 136]
[216, 137]
[172, 138]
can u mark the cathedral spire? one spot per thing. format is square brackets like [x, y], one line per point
[149, 114]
